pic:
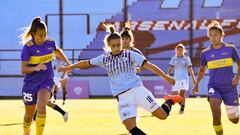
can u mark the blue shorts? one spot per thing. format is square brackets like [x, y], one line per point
[228, 95]
[30, 91]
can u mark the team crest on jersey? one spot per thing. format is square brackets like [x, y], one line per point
[212, 56]
[38, 51]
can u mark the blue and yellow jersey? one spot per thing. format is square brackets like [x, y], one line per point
[220, 64]
[35, 54]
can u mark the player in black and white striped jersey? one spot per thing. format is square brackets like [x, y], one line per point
[125, 84]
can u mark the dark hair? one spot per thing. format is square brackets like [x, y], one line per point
[31, 29]
[128, 34]
[113, 35]
[215, 25]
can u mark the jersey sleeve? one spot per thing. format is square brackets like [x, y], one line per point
[171, 62]
[137, 51]
[235, 54]
[25, 54]
[137, 58]
[97, 61]
[55, 46]
[203, 60]
[189, 63]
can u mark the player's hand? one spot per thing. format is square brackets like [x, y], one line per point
[170, 80]
[63, 69]
[41, 66]
[235, 81]
[195, 89]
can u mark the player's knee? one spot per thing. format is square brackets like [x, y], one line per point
[233, 113]
[234, 121]
[160, 114]
[41, 107]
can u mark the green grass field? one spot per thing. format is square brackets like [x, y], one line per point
[100, 117]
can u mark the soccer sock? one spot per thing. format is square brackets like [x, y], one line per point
[136, 131]
[60, 110]
[166, 106]
[64, 96]
[26, 127]
[55, 95]
[218, 129]
[182, 108]
[40, 123]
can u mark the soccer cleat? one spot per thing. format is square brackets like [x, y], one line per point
[63, 103]
[174, 98]
[65, 117]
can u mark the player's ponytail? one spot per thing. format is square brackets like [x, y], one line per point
[112, 30]
[215, 25]
[31, 29]
[113, 35]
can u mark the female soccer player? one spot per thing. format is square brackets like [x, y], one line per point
[128, 39]
[36, 56]
[60, 80]
[125, 83]
[181, 65]
[219, 59]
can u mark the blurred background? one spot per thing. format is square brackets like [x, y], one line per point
[158, 26]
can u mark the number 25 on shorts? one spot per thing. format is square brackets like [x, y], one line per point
[27, 97]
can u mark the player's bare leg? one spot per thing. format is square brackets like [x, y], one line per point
[29, 112]
[55, 89]
[64, 83]
[215, 105]
[131, 126]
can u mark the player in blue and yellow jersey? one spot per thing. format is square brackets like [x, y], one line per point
[37, 55]
[125, 84]
[219, 59]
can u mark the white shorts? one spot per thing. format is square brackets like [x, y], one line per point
[181, 85]
[138, 96]
[57, 80]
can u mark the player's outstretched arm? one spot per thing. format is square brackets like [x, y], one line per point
[59, 53]
[159, 72]
[83, 64]
[200, 75]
